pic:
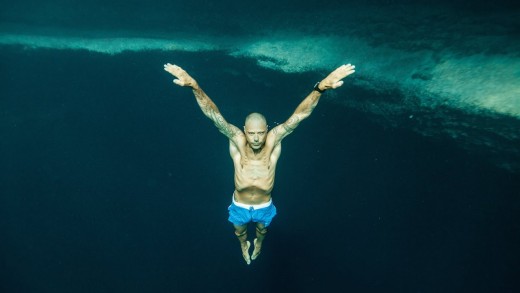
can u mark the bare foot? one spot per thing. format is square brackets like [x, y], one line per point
[245, 251]
[258, 247]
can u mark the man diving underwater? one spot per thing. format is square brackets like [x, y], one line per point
[255, 152]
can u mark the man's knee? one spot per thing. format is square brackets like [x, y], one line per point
[240, 230]
[261, 230]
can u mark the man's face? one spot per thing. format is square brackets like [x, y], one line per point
[256, 133]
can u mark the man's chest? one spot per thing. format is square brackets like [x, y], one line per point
[256, 169]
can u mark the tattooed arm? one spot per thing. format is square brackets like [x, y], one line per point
[211, 111]
[205, 103]
[304, 110]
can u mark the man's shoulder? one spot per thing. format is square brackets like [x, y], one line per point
[238, 138]
[274, 137]
[237, 143]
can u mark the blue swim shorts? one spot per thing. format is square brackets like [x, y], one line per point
[240, 214]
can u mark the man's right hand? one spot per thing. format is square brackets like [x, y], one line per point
[182, 77]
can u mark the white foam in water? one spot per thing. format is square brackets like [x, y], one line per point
[471, 83]
[484, 82]
[107, 45]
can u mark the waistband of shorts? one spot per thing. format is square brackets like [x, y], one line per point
[251, 206]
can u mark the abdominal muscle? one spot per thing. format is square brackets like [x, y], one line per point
[254, 182]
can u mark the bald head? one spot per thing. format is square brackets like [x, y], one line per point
[255, 130]
[255, 118]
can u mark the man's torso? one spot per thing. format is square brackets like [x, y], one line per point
[254, 173]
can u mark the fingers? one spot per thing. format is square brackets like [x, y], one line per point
[337, 84]
[344, 71]
[334, 79]
[168, 67]
[182, 78]
[173, 69]
[348, 66]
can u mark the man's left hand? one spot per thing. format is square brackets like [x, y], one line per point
[334, 79]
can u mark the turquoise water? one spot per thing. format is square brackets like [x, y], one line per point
[405, 179]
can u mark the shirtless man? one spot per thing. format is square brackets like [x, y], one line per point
[255, 152]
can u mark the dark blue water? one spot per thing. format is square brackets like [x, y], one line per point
[112, 180]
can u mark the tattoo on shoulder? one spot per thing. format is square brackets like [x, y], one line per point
[227, 129]
[232, 131]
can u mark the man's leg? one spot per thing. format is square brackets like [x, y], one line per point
[261, 230]
[241, 232]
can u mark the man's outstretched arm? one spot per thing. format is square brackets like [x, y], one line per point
[207, 106]
[304, 110]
